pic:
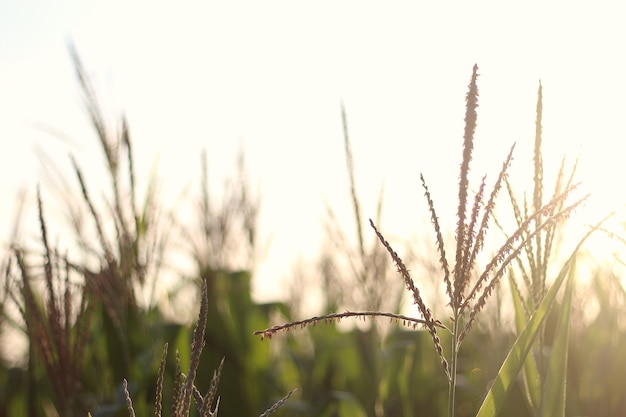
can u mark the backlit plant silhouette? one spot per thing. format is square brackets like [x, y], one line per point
[467, 285]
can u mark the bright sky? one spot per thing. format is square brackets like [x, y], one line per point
[269, 77]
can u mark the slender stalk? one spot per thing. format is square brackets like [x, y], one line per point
[453, 363]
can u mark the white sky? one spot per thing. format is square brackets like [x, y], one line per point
[269, 77]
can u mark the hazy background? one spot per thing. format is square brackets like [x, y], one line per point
[268, 78]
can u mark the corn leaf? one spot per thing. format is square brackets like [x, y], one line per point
[516, 358]
[553, 401]
[532, 379]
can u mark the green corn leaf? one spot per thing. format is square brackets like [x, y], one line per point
[553, 401]
[514, 361]
[532, 379]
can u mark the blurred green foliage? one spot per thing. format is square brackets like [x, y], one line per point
[337, 372]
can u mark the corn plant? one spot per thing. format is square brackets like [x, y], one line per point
[544, 374]
[354, 275]
[90, 310]
[59, 326]
[184, 390]
[467, 285]
[223, 237]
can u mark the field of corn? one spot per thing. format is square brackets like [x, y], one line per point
[511, 336]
